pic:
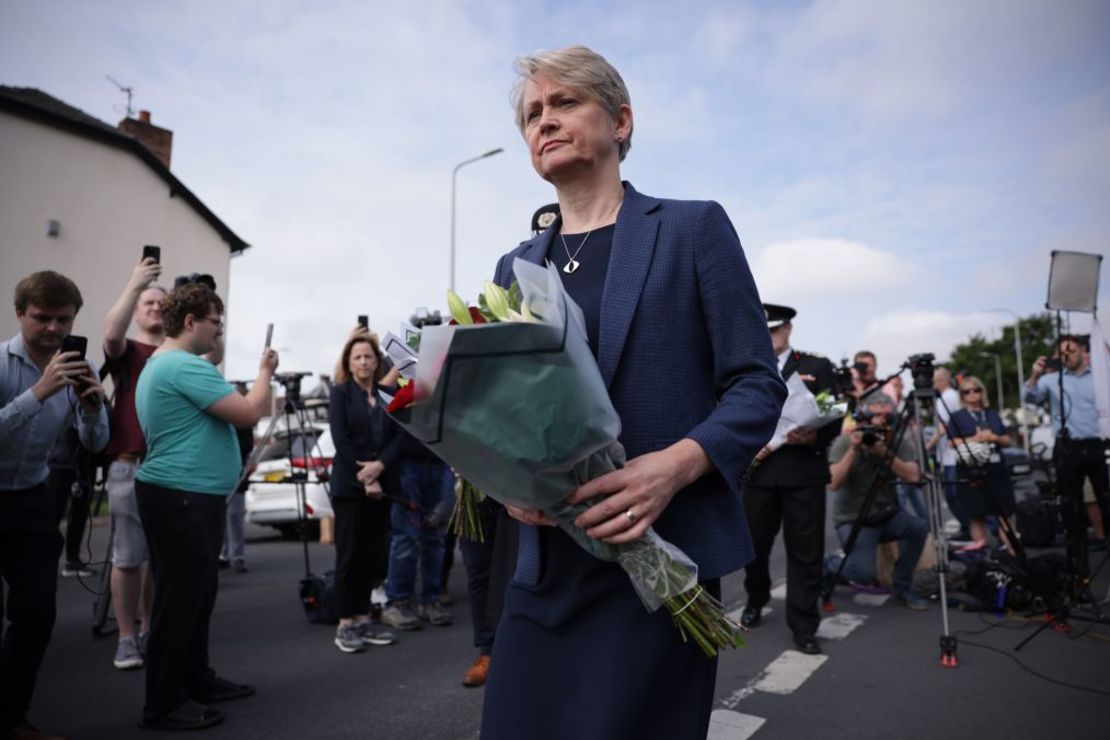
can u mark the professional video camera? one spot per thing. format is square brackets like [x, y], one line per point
[195, 277]
[292, 384]
[921, 367]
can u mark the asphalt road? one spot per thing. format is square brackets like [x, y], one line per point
[879, 675]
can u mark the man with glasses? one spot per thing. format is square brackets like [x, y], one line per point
[1080, 450]
[787, 487]
[141, 303]
[42, 393]
[188, 414]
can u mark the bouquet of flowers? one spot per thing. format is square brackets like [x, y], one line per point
[802, 410]
[510, 396]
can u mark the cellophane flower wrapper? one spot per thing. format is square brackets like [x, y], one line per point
[520, 410]
[802, 411]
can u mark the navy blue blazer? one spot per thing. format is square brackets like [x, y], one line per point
[361, 433]
[685, 352]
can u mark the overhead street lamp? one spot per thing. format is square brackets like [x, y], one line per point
[1020, 373]
[997, 373]
[454, 183]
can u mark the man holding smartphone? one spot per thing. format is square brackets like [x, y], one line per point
[42, 392]
[141, 303]
[1079, 453]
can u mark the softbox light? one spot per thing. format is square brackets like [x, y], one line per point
[1073, 281]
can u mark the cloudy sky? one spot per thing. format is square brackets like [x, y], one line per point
[896, 171]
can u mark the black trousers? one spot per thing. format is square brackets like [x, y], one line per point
[801, 512]
[184, 532]
[1077, 460]
[29, 549]
[71, 504]
[361, 551]
[489, 567]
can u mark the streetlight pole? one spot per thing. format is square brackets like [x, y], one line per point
[997, 373]
[454, 184]
[1020, 374]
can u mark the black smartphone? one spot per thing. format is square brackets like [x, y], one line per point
[269, 334]
[1052, 366]
[151, 250]
[74, 343]
[364, 321]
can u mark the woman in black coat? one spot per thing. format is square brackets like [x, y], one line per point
[366, 447]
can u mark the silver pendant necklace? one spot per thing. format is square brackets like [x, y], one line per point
[572, 263]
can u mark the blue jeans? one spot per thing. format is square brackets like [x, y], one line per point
[907, 529]
[427, 484]
[952, 499]
[912, 499]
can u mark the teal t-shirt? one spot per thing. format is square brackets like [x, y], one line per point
[186, 448]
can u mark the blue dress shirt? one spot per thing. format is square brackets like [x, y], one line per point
[1079, 402]
[29, 428]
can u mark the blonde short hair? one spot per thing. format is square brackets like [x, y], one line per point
[974, 381]
[582, 69]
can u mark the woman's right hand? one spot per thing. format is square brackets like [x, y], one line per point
[535, 517]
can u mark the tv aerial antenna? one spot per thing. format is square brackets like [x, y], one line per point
[129, 91]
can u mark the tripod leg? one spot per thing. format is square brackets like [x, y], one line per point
[948, 657]
[102, 607]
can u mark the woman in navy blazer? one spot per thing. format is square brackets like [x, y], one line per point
[678, 329]
[364, 468]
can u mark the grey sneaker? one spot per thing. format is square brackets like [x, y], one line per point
[434, 614]
[348, 639]
[399, 615]
[128, 656]
[374, 634]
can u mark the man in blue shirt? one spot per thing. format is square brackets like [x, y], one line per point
[42, 393]
[1080, 451]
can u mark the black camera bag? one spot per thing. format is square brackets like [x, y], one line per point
[318, 598]
[1038, 521]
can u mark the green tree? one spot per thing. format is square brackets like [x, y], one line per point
[973, 357]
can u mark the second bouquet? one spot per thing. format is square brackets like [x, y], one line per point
[510, 396]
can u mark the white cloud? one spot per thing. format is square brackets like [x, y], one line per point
[827, 268]
[909, 332]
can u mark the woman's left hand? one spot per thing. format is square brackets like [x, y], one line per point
[369, 471]
[639, 492]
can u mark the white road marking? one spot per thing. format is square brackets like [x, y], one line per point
[788, 671]
[779, 591]
[839, 625]
[725, 724]
[871, 599]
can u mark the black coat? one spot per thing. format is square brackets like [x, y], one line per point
[802, 465]
[361, 433]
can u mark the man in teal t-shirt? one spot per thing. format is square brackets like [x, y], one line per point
[187, 448]
[188, 413]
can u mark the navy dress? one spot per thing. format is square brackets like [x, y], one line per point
[973, 501]
[598, 665]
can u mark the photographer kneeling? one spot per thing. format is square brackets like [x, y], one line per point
[859, 460]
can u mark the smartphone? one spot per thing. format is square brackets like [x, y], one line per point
[1052, 366]
[269, 334]
[152, 251]
[364, 321]
[74, 343]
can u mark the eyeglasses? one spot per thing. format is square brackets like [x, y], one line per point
[217, 322]
[969, 391]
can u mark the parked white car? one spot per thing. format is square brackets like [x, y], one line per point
[271, 497]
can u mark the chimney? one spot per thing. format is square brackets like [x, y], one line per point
[158, 140]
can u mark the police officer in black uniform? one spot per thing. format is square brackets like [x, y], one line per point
[787, 486]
